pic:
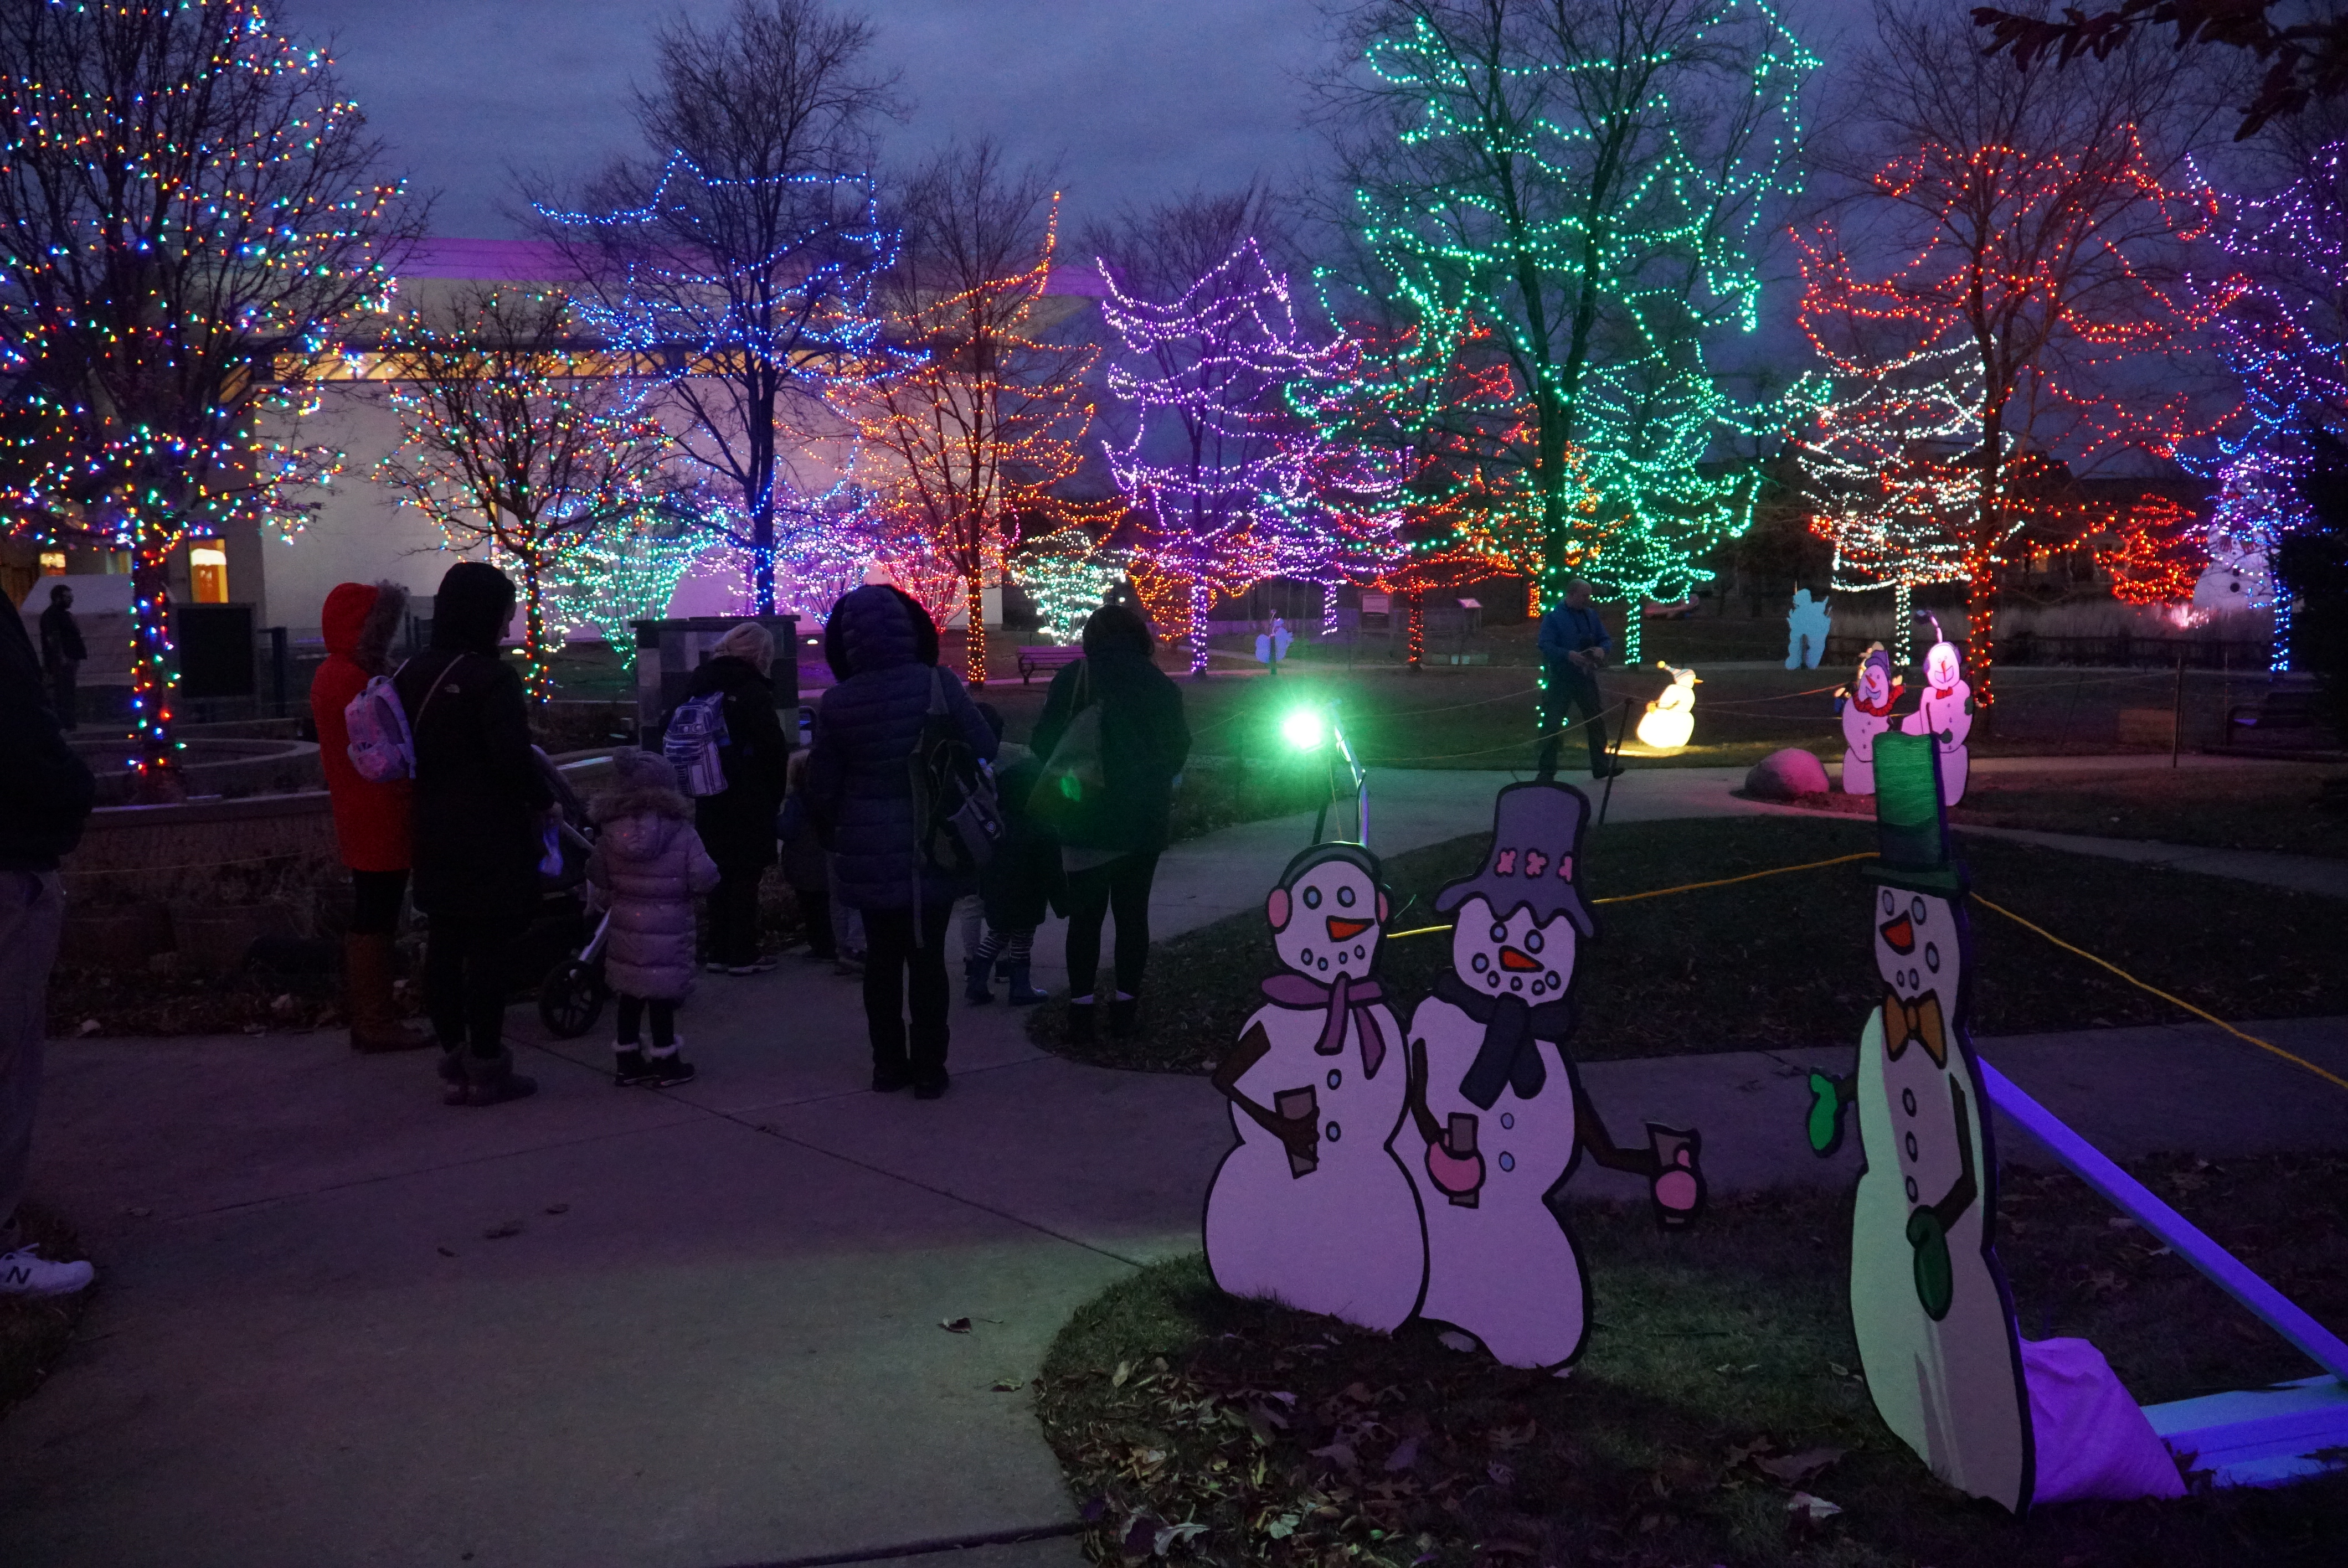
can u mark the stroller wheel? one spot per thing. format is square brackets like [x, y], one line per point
[571, 999]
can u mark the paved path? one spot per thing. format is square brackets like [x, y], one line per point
[341, 1324]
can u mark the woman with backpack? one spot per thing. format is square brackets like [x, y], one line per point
[883, 653]
[358, 623]
[737, 824]
[1108, 794]
[480, 807]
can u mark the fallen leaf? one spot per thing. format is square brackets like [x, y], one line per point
[1452, 1339]
[1339, 1454]
[1405, 1455]
[1795, 1469]
[443, 1251]
[1813, 1510]
[1512, 1436]
[140, 1214]
[1170, 1534]
[89, 1026]
[962, 1326]
[558, 1208]
[1117, 1379]
[499, 1233]
[1501, 1475]
[1004, 1386]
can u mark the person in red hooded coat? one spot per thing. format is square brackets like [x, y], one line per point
[371, 825]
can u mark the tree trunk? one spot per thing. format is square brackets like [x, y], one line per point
[1201, 600]
[1903, 624]
[1416, 644]
[975, 608]
[539, 680]
[154, 680]
[1631, 621]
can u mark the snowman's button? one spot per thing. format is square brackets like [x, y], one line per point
[1334, 1130]
[1907, 1101]
[1507, 1161]
[1911, 1189]
[1911, 1145]
[1508, 1118]
[1335, 1078]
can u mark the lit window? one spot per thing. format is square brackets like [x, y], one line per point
[52, 563]
[208, 573]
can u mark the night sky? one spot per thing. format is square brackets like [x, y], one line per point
[1137, 98]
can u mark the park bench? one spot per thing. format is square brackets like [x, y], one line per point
[2284, 715]
[1046, 656]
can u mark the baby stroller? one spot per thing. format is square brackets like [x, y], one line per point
[571, 995]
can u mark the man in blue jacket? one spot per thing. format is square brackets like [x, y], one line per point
[1574, 646]
[45, 794]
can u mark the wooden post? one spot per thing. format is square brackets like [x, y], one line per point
[2176, 714]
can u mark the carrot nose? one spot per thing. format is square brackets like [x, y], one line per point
[1512, 959]
[1346, 930]
[1899, 935]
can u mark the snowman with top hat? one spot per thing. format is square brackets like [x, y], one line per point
[1945, 713]
[1866, 709]
[1497, 1102]
[1312, 1208]
[1990, 1413]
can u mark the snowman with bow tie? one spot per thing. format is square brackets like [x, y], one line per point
[1945, 713]
[1990, 1413]
[1497, 1102]
[1312, 1208]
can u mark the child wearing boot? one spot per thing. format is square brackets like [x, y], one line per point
[647, 866]
[1017, 883]
[806, 867]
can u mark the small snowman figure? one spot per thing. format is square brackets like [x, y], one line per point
[1945, 713]
[1993, 1414]
[1497, 1103]
[1866, 710]
[1807, 625]
[1670, 719]
[1272, 647]
[1313, 1207]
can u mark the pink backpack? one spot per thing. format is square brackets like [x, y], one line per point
[382, 746]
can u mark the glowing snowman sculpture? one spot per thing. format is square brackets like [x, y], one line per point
[1866, 709]
[1945, 713]
[1313, 1207]
[1497, 1103]
[1670, 719]
[1992, 1414]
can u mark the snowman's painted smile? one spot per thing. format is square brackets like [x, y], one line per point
[1524, 963]
[1346, 930]
[1899, 935]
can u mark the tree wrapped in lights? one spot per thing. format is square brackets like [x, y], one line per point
[1067, 575]
[513, 439]
[740, 261]
[1584, 181]
[2282, 315]
[2158, 552]
[971, 445]
[1215, 438]
[2025, 225]
[626, 571]
[187, 217]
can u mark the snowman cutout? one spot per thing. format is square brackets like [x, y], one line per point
[1807, 625]
[1670, 720]
[1866, 710]
[1992, 1414]
[1945, 713]
[1312, 1208]
[1497, 1103]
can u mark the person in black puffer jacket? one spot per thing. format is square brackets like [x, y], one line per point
[883, 653]
[1111, 841]
[738, 824]
[479, 809]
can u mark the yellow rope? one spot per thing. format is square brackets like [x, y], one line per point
[1683, 887]
[2164, 996]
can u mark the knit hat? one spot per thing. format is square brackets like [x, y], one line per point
[642, 770]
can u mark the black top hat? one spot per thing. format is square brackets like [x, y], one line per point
[1535, 844]
[1912, 824]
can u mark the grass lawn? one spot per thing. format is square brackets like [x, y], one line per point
[34, 1333]
[1786, 960]
[1719, 1378]
[2258, 805]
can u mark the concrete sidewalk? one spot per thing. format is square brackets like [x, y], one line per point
[339, 1323]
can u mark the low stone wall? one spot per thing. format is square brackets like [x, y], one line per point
[202, 879]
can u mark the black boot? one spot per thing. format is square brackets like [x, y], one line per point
[628, 1069]
[491, 1081]
[1080, 1023]
[1022, 993]
[1124, 1018]
[974, 984]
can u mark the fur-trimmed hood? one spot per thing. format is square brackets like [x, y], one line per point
[640, 800]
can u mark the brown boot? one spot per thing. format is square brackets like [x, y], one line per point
[366, 987]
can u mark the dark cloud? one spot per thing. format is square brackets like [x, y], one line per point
[1135, 98]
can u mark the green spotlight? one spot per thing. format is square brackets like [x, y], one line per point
[1304, 728]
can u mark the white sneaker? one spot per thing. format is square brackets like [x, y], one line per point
[25, 1272]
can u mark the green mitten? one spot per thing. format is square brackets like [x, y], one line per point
[1935, 1284]
[1826, 1114]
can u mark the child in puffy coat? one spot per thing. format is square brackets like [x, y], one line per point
[647, 866]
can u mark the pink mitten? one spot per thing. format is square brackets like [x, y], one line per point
[1452, 1174]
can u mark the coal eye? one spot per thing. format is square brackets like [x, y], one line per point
[1533, 941]
[1312, 898]
[1345, 897]
[1887, 900]
[1916, 911]
[1499, 932]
